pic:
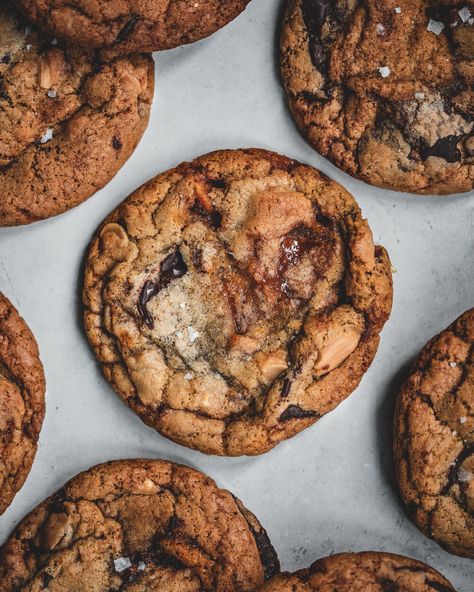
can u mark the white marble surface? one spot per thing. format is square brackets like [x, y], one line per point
[329, 489]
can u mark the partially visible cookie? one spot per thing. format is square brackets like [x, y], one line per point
[361, 572]
[434, 438]
[138, 526]
[22, 404]
[130, 26]
[236, 299]
[68, 120]
[385, 89]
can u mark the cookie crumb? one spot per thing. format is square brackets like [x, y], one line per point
[121, 564]
[435, 26]
[193, 334]
[384, 71]
[47, 136]
[465, 14]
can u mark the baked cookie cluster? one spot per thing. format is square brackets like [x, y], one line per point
[236, 299]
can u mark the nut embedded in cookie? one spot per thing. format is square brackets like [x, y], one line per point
[236, 299]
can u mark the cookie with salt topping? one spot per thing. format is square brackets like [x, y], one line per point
[138, 526]
[235, 300]
[68, 120]
[385, 89]
[434, 438]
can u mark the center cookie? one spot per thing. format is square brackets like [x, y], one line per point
[385, 89]
[68, 120]
[235, 300]
[138, 526]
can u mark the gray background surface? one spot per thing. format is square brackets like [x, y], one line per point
[330, 489]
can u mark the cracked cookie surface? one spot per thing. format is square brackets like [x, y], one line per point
[234, 300]
[22, 404]
[361, 572]
[128, 26]
[434, 438]
[385, 89]
[138, 526]
[68, 120]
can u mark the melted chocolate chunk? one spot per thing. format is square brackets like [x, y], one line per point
[453, 475]
[218, 183]
[127, 29]
[286, 388]
[6, 59]
[116, 143]
[268, 556]
[172, 268]
[211, 216]
[295, 412]
[315, 14]
[444, 148]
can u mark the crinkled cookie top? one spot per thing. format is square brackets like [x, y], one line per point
[234, 300]
[385, 89]
[434, 438]
[138, 526]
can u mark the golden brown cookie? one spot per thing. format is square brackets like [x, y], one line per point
[138, 526]
[361, 572]
[128, 26]
[235, 300]
[434, 438]
[385, 89]
[68, 120]
[22, 405]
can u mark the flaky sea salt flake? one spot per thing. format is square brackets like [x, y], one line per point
[141, 566]
[384, 71]
[463, 419]
[465, 14]
[420, 96]
[380, 29]
[398, 10]
[52, 94]
[188, 376]
[193, 334]
[121, 564]
[435, 26]
[47, 136]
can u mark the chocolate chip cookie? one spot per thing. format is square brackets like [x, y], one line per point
[130, 26]
[236, 299]
[138, 526]
[22, 387]
[385, 89]
[434, 438]
[68, 121]
[361, 572]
